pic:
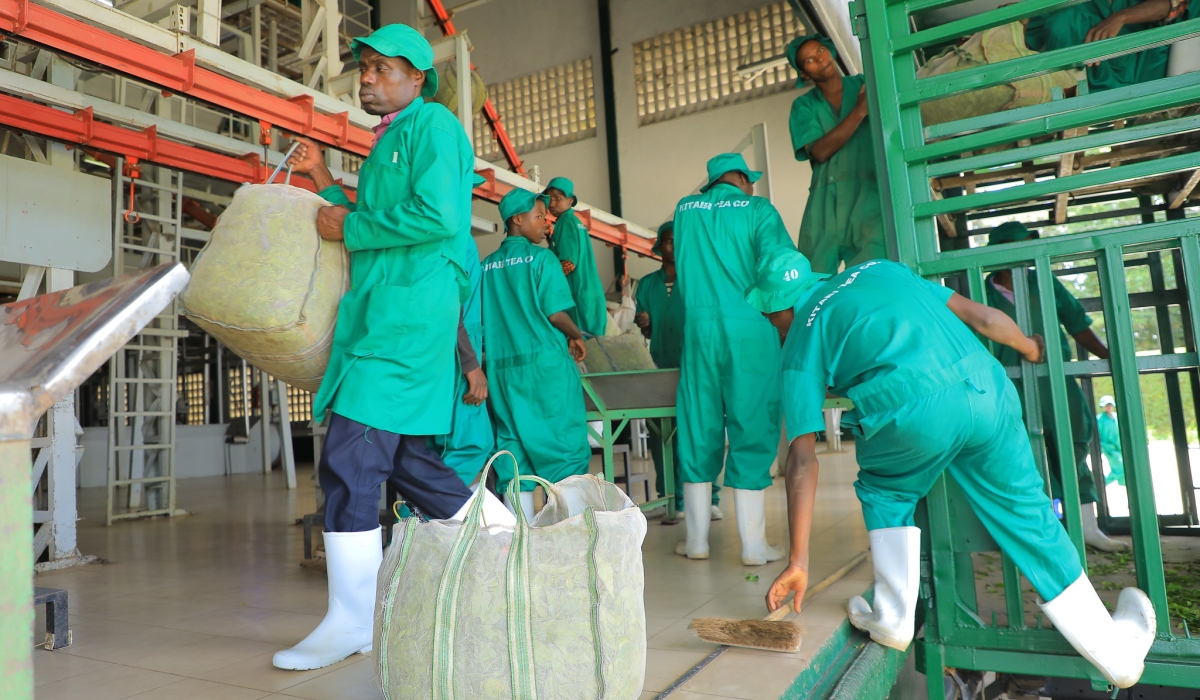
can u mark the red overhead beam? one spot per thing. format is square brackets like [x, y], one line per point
[442, 16]
[179, 74]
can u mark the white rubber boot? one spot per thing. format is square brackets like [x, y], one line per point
[751, 512]
[896, 553]
[715, 513]
[1094, 537]
[496, 516]
[352, 562]
[696, 501]
[1116, 645]
[526, 505]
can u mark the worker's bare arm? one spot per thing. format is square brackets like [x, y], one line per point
[994, 324]
[825, 147]
[562, 321]
[802, 471]
[1089, 340]
[1141, 13]
[308, 160]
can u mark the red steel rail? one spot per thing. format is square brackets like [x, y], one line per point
[442, 17]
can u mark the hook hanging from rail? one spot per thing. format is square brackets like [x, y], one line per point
[133, 172]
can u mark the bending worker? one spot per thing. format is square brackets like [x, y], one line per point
[728, 370]
[532, 347]
[843, 220]
[391, 375]
[573, 247]
[660, 315]
[1110, 441]
[1077, 323]
[928, 398]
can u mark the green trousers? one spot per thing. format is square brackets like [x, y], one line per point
[973, 431]
[470, 442]
[656, 452]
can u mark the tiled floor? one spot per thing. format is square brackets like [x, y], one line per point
[193, 608]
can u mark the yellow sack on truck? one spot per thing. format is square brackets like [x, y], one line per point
[553, 610]
[267, 286]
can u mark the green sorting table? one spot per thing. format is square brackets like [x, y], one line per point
[643, 394]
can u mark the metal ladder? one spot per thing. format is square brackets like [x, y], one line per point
[143, 375]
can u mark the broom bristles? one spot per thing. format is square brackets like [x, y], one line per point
[751, 634]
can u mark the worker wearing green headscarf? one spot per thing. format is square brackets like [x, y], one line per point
[391, 376]
[843, 220]
[532, 346]
[928, 399]
[728, 377]
[1077, 323]
[660, 315]
[470, 441]
[573, 247]
[1110, 440]
[1103, 19]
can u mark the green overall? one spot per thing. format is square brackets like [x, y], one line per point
[535, 392]
[665, 308]
[392, 365]
[1110, 445]
[729, 368]
[470, 441]
[572, 244]
[928, 399]
[843, 220]
[1072, 316]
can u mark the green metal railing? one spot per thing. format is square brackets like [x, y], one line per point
[960, 632]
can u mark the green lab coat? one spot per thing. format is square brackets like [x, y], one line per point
[1110, 444]
[729, 367]
[1069, 26]
[470, 442]
[534, 387]
[1075, 320]
[571, 243]
[666, 312]
[392, 365]
[843, 220]
[928, 398]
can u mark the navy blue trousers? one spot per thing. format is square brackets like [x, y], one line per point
[355, 461]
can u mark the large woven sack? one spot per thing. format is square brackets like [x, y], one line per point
[991, 46]
[267, 286]
[618, 353]
[552, 610]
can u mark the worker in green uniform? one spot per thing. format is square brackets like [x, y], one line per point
[391, 375]
[660, 315]
[728, 368]
[532, 346]
[1077, 323]
[470, 442]
[573, 247]
[1104, 19]
[843, 221]
[928, 398]
[1110, 441]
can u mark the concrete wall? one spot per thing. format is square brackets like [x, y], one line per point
[660, 163]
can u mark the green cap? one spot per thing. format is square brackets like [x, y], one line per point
[518, 202]
[793, 49]
[663, 228]
[1010, 232]
[403, 41]
[782, 280]
[727, 163]
[563, 185]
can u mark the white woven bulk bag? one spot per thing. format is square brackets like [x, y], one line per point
[267, 286]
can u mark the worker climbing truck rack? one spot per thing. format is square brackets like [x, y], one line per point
[1104, 172]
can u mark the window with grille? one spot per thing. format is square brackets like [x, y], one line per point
[299, 405]
[695, 68]
[191, 389]
[540, 110]
[236, 400]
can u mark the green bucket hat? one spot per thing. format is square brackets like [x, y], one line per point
[783, 280]
[518, 202]
[403, 41]
[563, 185]
[666, 226]
[793, 48]
[1010, 232]
[727, 163]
